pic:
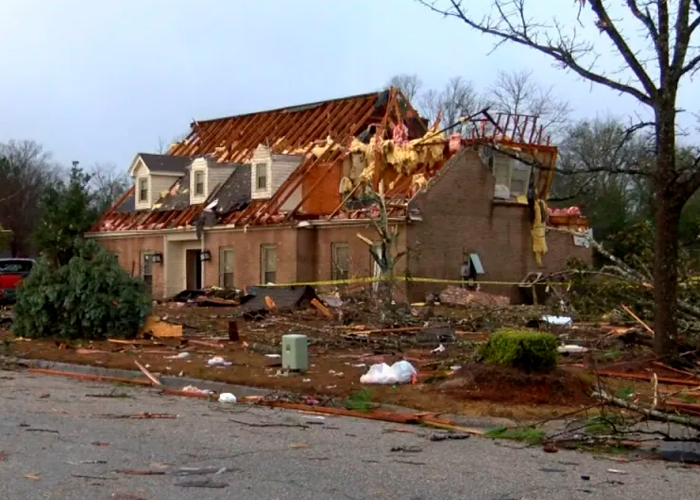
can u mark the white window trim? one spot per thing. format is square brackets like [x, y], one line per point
[222, 253]
[265, 165]
[147, 202]
[263, 260]
[194, 197]
[512, 162]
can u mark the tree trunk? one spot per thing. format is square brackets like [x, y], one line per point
[665, 276]
[668, 205]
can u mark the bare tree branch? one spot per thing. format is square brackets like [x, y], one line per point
[564, 50]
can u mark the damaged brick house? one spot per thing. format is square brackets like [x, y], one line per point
[281, 196]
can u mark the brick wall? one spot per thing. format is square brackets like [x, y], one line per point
[460, 215]
[129, 252]
[247, 254]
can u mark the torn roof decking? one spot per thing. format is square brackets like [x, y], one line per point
[296, 130]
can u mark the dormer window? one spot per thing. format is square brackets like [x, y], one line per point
[199, 183]
[261, 177]
[143, 190]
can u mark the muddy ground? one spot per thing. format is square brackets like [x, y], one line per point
[448, 381]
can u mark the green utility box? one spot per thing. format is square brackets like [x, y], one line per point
[295, 353]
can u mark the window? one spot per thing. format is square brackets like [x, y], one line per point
[147, 268]
[511, 173]
[226, 268]
[143, 189]
[261, 176]
[199, 183]
[340, 261]
[268, 264]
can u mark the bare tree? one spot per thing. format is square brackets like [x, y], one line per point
[652, 68]
[457, 99]
[410, 85]
[106, 185]
[517, 92]
[25, 173]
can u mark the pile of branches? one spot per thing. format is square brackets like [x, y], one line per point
[624, 277]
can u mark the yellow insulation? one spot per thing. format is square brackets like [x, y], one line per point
[539, 243]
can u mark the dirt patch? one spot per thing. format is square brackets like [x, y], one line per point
[504, 384]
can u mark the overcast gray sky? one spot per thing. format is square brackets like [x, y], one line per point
[98, 81]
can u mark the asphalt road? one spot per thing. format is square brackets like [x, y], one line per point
[59, 441]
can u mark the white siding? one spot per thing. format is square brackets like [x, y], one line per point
[217, 175]
[282, 168]
[159, 183]
[261, 156]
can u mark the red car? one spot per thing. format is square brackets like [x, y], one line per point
[12, 272]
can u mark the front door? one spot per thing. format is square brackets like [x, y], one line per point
[194, 269]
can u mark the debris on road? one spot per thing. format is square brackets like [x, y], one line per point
[448, 436]
[201, 483]
[148, 374]
[407, 449]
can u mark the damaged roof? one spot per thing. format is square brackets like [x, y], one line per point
[382, 129]
[165, 163]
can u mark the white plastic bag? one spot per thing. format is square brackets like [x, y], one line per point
[227, 397]
[400, 372]
[404, 371]
[218, 361]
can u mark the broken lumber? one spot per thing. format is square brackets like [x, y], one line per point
[270, 303]
[450, 426]
[638, 319]
[643, 376]
[148, 374]
[324, 310]
[87, 376]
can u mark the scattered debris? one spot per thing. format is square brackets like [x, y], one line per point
[141, 472]
[407, 449]
[251, 424]
[298, 446]
[201, 483]
[182, 355]
[324, 310]
[401, 372]
[34, 476]
[218, 361]
[99, 478]
[196, 390]
[455, 296]
[160, 329]
[616, 471]
[193, 471]
[148, 374]
[144, 416]
[571, 349]
[51, 431]
[438, 349]
[558, 320]
[227, 397]
[448, 436]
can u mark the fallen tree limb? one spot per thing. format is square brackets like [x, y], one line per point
[692, 422]
[643, 376]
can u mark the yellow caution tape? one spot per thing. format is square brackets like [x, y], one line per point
[404, 279]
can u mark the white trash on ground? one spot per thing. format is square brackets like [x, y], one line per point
[218, 361]
[227, 397]
[182, 355]
[571, 349]
[558, 320]
[401, 372]
[197, 390]
[440, 348]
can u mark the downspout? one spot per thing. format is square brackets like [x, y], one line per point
[201, 259]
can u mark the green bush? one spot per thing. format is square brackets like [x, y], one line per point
[91, 297]
[528, 351]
